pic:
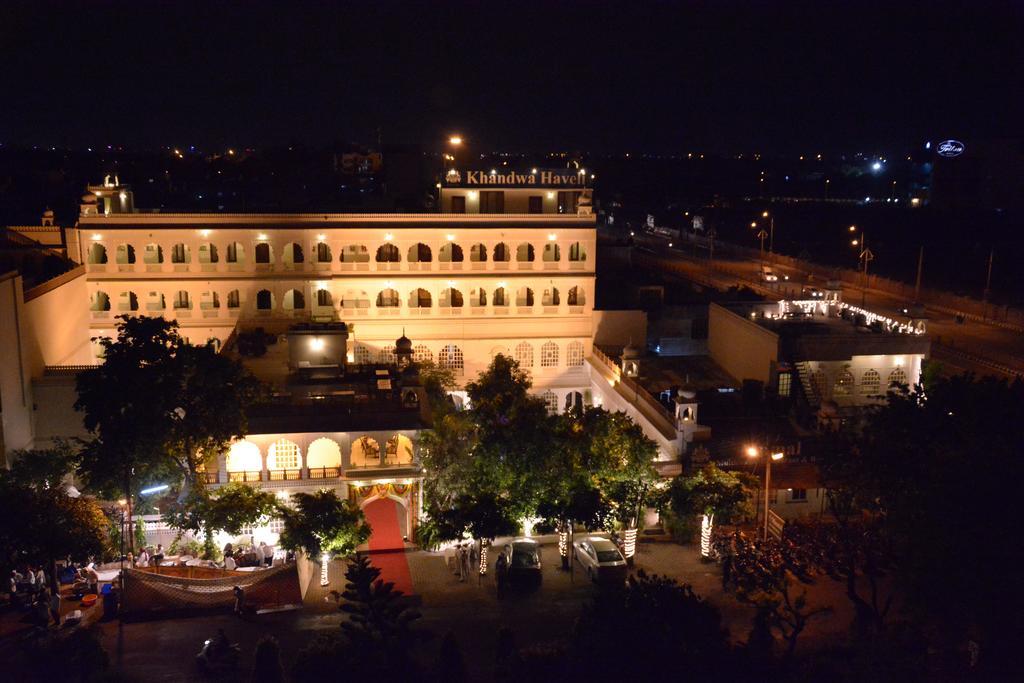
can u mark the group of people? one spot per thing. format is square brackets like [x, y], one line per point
[146, 558]
[248, 555]
[463, 559]
[30, 589]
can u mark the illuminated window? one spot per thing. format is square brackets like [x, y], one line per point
[844, 383]
[524, 297]
[181, 300]
[870, 383]
[798, 495]
[419, 253]
[100, 302]
[323, 298]
[451, 298]
[524, 354]
[388, 253]
[551, 297]
[284, 455]
[897, 376]
[355, 253]
[785, 384]
[549, 355]
[387, 298]
[419, 298]
[125, 253]
[451, 358]
[294, 300]
[574, 354]
[550, 402]
[576, 296]
[576, 252]
[450, 252]
[361, 353]
[97, 253]
[179, 253]
[499, 297]
[421, 354]
[501, 252]
[524, 252]
[234, 299]
[478, 253]
[552, 252]
[235, 253]
[323, 252]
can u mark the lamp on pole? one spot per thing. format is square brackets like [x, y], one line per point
[771, 233]
[761, 234]
[453, 141]
[754, 452]
[864, 257]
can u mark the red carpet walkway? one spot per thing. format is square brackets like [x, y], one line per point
[386, 546]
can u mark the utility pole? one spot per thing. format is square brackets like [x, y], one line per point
[988, 278]
[917, 282]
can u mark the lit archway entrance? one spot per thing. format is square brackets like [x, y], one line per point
[386, 511]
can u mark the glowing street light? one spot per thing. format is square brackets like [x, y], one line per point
[754, 452]
[455, 140]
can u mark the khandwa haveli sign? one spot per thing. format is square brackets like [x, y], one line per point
[559, 178]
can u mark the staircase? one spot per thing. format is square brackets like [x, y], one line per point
[810, 391]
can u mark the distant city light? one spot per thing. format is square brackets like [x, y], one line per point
[877, 166]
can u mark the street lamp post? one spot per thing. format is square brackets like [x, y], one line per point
[453, 141]
[753, 452]
[771, 234]
[761, 235]
[864, 257]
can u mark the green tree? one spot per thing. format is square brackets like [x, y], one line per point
[48, 524]
[714, 494]
[157, 408]
[623, 459]
[935, 466]
[380, 618]
[320, 522]
[229, 508]
[125, 406]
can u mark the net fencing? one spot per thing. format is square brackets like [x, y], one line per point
[168, 589]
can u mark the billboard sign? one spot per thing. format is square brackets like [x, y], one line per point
[951, 148]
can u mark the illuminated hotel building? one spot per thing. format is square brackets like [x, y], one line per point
[507, 268]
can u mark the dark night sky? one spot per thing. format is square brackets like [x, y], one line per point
[592, 76]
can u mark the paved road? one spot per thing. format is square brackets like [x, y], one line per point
[978, 346]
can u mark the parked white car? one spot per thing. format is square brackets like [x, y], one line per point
[601, 559]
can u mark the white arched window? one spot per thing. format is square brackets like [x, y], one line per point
[284, 455]
[361, 354]
[421, 354]
[451, 358]
[574, 354]
[524, 354]
[897, 376]
[844, 384]
[323, 458]
[870, 383]
[550, 402]
[398, 450]
[244, 457]
[549, 355]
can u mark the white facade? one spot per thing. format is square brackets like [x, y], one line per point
[463, 288]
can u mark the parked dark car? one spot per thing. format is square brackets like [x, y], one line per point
[522, 561]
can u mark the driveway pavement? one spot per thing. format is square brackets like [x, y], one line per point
[164, 650]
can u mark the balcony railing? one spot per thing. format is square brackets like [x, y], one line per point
[324, 472]
[285, 475]
[244, 476]
[212, 477]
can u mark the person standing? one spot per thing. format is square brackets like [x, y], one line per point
[464, 558]
[55, 608]
[239, 600]
[158, 556]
